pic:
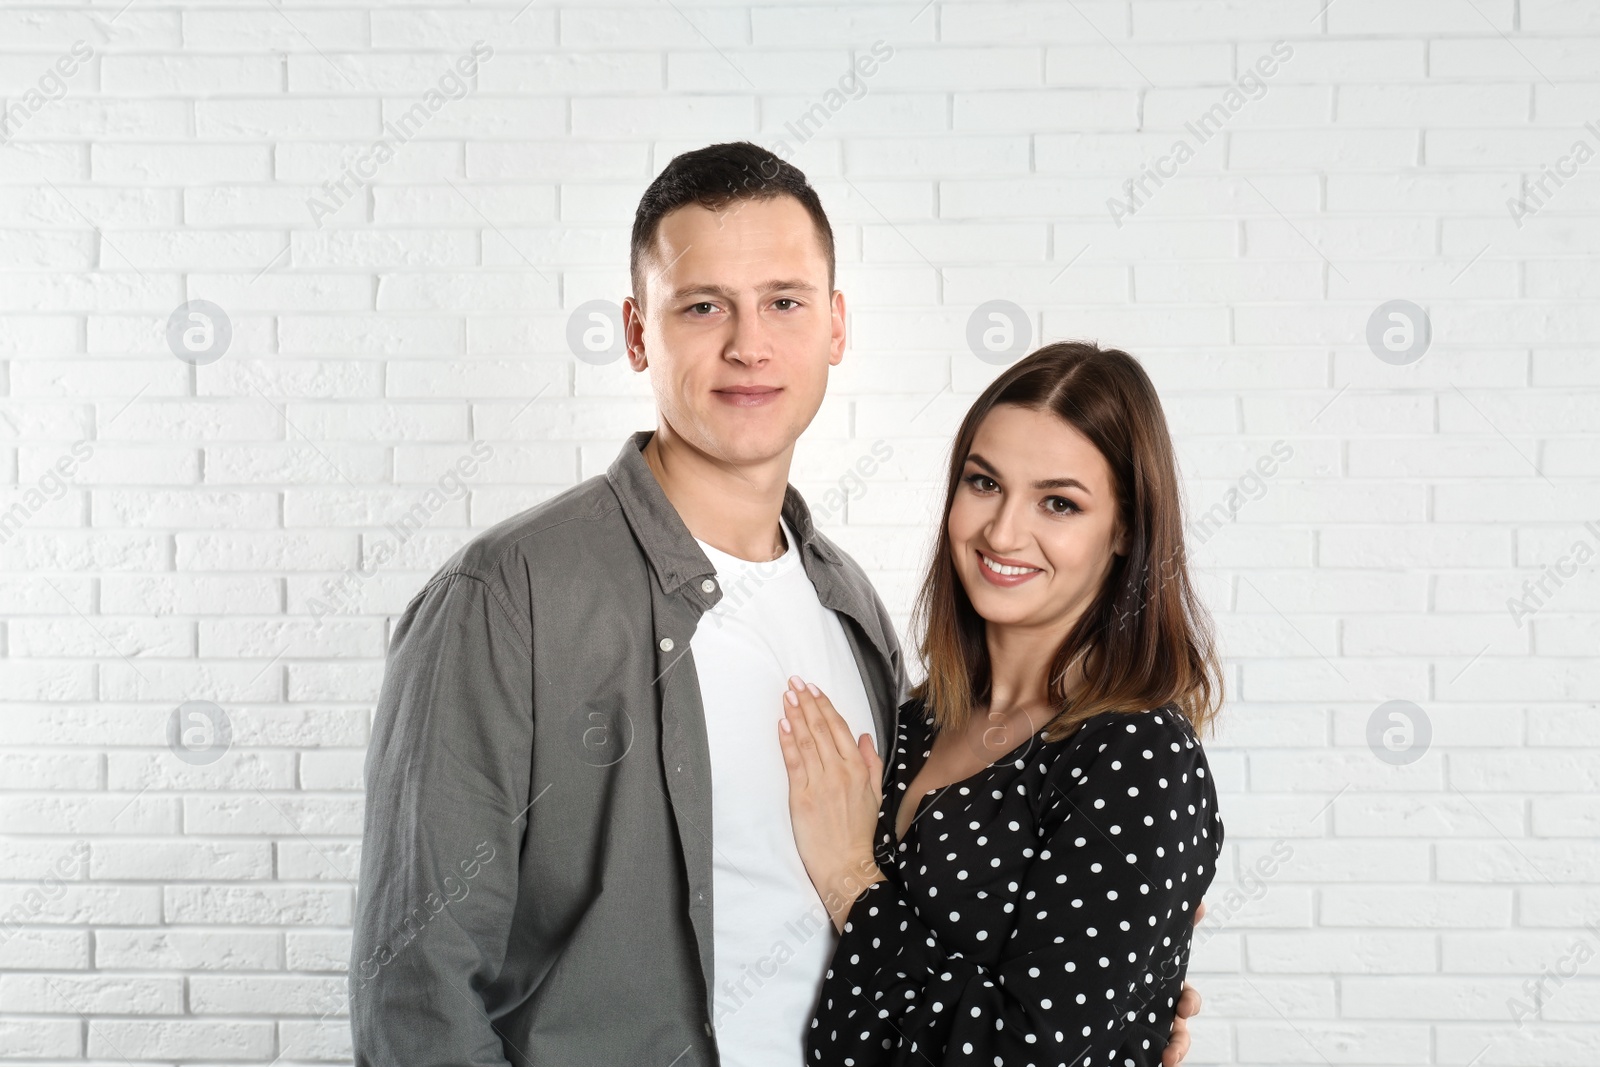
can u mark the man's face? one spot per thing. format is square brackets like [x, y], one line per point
[738, 328]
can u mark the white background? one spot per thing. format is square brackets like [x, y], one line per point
[187, 552]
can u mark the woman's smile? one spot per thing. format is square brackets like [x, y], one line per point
[1004, 575]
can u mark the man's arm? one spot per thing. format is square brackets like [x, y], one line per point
[447, 785]
[897, 658]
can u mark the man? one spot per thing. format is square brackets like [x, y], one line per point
[577, 846]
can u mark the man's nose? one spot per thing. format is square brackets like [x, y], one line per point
[749, 343]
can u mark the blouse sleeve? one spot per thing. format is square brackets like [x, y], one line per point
[1103, 920]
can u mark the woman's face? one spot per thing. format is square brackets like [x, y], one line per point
[1035, 494]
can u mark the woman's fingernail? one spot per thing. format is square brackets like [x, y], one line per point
[814, 690]
[788, 695]
[795, 682]
[784, 724]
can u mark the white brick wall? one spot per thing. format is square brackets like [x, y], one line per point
[226, 532]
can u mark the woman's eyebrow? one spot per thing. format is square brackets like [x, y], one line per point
[1043, 483]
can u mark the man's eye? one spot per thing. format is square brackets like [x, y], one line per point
[702, 308]
[784, 300]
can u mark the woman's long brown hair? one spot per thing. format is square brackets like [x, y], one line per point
[1146, 638]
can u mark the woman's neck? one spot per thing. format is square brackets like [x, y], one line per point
[1019, 664]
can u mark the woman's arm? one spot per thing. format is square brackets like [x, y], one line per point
[1100, 932]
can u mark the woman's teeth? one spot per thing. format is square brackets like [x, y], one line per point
[1002, 569]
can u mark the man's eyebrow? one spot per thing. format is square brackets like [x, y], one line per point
[1045, 483]
[790, 285]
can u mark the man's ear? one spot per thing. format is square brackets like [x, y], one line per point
[633, 333]
[836, 341]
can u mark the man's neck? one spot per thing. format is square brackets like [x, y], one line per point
[731, 508]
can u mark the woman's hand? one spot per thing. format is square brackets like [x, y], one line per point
[835, 791]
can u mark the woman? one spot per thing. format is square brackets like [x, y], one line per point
[1025, 892]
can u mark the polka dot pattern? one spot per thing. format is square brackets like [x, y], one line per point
[1037, 914]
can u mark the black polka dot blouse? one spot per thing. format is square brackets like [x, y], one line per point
[1037, 913]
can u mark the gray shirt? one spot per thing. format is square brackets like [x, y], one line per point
[536, 864]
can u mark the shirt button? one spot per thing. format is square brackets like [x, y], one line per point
[666, 644]
[706, 587]
[708, 1028]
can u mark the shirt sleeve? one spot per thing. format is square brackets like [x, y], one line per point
[1101, 932]
[447, 778]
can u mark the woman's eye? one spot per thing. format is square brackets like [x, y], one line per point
[974, 480]
[1068, 507]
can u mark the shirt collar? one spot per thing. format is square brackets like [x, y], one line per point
[660, 530]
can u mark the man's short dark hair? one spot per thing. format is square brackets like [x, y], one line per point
[713, 177]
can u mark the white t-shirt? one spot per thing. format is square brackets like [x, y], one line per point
[772, 936]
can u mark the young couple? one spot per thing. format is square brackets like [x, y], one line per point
[629, 755]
